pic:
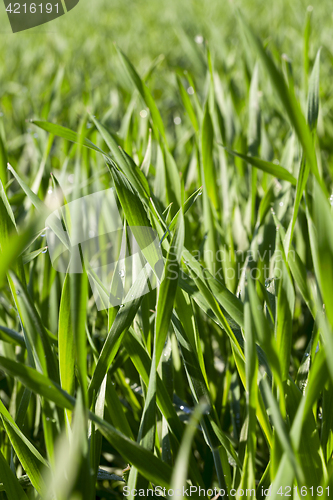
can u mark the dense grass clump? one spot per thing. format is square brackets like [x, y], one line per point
[221, 377]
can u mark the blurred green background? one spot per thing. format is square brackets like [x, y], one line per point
[81, 42]
[58, 71]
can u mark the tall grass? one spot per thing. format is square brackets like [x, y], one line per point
[222, 376]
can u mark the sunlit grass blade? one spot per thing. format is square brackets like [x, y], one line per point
[65, 133]
[66, 344]
[266, 166]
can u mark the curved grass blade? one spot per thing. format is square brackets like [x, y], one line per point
[118, 329]
[37, 382]
[65, 133]
[12, 487]
[9, 335]
[265, 166]
[43, 210]
[142, 362]
[29, 457]
[38, 338]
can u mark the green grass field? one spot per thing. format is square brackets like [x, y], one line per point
[213, 123]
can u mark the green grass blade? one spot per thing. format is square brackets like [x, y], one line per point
[37, 382]
[168, 288]
[66, 341]
[28, 455]
[179, 475]
[265, 166]
[134, 175]
[288, 100]
[12, 487]
[284, 312]
[65, 133]
[121, 323]
[313, 95]
[145, 94]
[38, 338]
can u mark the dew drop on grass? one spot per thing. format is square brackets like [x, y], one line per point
[177, 120]
[121, 274]
[50, 191]
[44, 251]
[281, 203]
[121, 305]
[143, 113]
[199, 39]
[331, 200]
[268, 282]
[190, 90]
